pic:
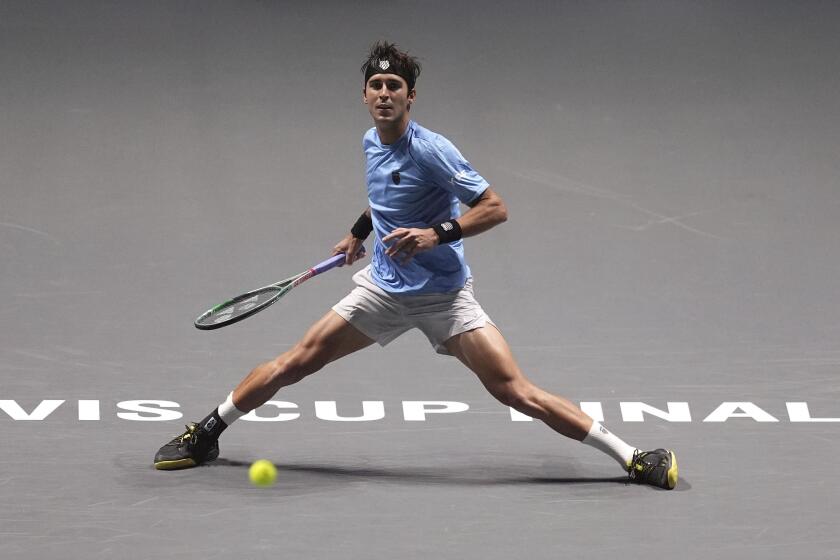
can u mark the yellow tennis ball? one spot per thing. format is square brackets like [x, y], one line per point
[262, 473]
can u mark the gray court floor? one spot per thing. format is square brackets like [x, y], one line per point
[671, 173]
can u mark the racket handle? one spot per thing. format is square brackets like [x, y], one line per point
[334, 261]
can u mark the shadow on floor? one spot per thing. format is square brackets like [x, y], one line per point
[444, 475]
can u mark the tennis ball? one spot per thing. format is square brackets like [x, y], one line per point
[262, 473]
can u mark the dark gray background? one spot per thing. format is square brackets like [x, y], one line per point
[671, 172]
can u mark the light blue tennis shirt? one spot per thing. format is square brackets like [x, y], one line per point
[417, 182]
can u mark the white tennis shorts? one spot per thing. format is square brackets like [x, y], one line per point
[384, 316]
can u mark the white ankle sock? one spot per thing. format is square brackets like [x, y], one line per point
[601, 438]
[228, 411]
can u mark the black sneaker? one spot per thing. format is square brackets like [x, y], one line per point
[657, 468]
[189, 449]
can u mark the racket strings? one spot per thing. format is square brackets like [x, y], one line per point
[237, 308]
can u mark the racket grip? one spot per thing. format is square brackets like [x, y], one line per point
[334, 261]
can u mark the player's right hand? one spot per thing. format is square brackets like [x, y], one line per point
[350, 247]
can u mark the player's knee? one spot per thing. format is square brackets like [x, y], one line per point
[505, 393]
[300, 361]
[280, 372]
[519, 396]
[286, 370]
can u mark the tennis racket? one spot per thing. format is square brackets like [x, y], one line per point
[245, 305]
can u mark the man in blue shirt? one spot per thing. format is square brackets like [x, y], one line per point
[418, 179]
[418, 278]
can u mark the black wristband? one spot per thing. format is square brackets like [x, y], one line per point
[448, 232]
[363, 226]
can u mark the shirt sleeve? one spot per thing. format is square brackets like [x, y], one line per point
[449, 170]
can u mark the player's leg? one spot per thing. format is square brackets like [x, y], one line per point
[487, 354]
[485, 351]
[328, 339]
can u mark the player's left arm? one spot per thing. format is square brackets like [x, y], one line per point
[487, 211]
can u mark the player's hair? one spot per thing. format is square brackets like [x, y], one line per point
[387, 55]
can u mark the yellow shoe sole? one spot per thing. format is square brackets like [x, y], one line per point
[173, 465]
[673, 472]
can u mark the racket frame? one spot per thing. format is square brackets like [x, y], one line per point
[282, 287]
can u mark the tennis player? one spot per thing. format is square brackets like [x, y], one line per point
[418, 278]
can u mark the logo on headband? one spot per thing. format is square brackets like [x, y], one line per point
[384, 64]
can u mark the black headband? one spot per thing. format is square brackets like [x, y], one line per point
[388, 66]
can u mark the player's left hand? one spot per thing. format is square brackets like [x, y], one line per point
[410, 241]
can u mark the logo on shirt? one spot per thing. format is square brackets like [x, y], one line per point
[395, 177]
[384, 64]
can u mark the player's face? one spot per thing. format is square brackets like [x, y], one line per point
[388, 99]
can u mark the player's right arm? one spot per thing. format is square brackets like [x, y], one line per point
[351, 243]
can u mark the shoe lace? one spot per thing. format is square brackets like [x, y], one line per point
[638, 467]
[189, 436]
